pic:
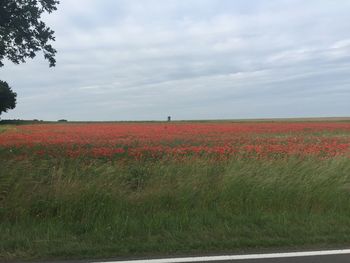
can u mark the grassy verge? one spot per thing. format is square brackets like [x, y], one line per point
[78, 208]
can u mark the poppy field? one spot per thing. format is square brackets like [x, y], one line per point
[97, 190]
[162, 140]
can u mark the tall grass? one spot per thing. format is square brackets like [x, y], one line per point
[78, 208]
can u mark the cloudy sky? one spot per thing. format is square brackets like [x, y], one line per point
[191, 59]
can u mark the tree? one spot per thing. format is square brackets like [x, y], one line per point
[22, 35]
[7, 97]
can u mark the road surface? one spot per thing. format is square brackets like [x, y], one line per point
[323, 256]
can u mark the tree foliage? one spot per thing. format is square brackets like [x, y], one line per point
[7, 97]
[23, 33]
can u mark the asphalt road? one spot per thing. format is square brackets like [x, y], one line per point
[323, 256]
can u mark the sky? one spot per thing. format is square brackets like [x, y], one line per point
[190, 59]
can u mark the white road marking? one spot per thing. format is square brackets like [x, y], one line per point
[238, 257]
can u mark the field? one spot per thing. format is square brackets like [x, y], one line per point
[127, 189]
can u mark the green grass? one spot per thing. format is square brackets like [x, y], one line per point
[4, 128]
[95, 209]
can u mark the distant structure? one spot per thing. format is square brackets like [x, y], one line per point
[169, 118]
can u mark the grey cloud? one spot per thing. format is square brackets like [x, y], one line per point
[147, 59]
